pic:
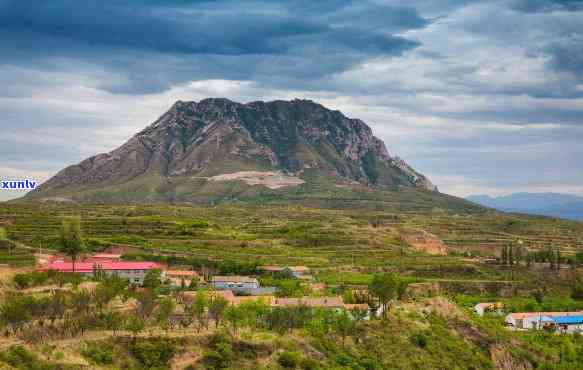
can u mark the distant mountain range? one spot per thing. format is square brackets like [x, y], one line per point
[547, 204]
[217, 150]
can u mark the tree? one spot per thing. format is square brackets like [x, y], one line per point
[135, 325]
[539, 296]
[4, 242]
[113, 320]
[81, 301]
[152, 279]
[217, 307]
[16, 311]
[199, 307]
[235, 317]
[146, 303]
[577, 288]
[344, 325]
[165, 310]
[384, 287]
[402, 289]
[71, 240]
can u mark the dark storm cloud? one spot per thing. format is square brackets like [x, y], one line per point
[199, 41]
[567, 55]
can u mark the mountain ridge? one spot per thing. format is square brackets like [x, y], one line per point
[201, 151]
[568, 206]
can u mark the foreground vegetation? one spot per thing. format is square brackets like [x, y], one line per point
[56, 321]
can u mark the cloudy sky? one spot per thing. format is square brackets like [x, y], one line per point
[481, 96]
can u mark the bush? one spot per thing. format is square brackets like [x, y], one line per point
[289, 360]
[419, 339]
[370, 364]
[310, 364]
[153, 353]
[98, 353]
[20, 358]
[220, 358]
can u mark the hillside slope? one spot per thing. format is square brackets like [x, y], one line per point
[218, 150]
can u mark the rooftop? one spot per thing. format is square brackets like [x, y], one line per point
[330, 302]
[523, 315]
[105, 265]
[567, 320]
[106, 255]
[234, 279]
[281, 268]
[181, 273]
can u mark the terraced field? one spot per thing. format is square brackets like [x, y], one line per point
[340, 240]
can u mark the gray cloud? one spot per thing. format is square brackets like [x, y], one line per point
[197, 41]
[483, 96]
[535, 6]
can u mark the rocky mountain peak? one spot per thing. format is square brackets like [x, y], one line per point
[217, 137]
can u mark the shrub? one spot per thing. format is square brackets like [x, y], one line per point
[419, 339]
[98, 353]
[289, 360]
[370, 364]
[220, 358]
[154, 353]
[20, 358]
[310, 364]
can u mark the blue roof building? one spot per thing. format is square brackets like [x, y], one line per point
[568, 320]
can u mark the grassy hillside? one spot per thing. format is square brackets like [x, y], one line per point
[318, 191]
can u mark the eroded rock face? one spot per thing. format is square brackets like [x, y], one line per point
[217, 136]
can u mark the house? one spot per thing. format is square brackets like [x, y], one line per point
[103, 257]
[135, 272]
[319, 302]
[227, 295]
[267, 299]
[565, 324]
[235, 283]
[176, 277]
[230, 297]
[362, 307]
[535, 320]
[482, 308]
[295, 271]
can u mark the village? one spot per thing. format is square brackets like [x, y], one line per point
[238, 289]
[234, 289]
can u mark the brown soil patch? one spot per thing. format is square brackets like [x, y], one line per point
[269, 179]
[503, 360]
[426, 242]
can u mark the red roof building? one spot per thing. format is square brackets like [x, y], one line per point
[133, 271]
[105, 266]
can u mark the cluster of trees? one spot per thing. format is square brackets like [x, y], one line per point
[62, 313]
[513, 255]
[37, 278]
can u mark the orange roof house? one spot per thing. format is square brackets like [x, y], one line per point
[323, 302]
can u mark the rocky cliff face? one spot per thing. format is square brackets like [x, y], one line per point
[215, 137]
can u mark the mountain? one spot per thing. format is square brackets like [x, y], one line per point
[547, 204]
[219, 150]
